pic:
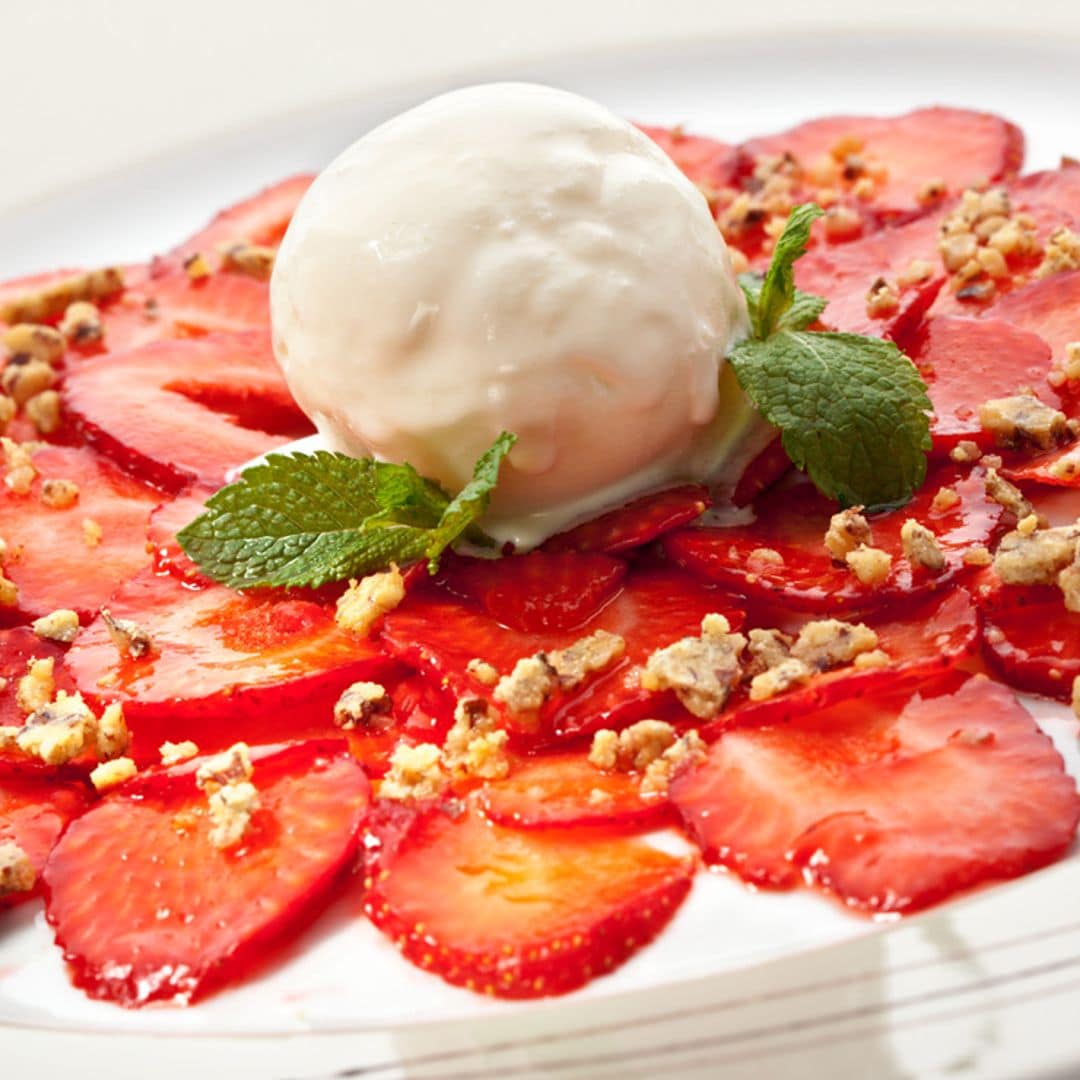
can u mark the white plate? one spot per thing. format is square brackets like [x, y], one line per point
[759, 984]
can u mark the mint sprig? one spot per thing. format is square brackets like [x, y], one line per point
[852, 411]
[306, 519]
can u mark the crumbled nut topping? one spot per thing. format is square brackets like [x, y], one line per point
[916, 272]
[110, 774]
[365, 705]
[475, 745]
[528, 686]
[37, 687]
[945, 499]
[92, 532]
[23, 379]
[828, 643]
[59, 731]
[9, 592]
[60, 625]
[842, 223]
[231, 797]
[365, 602]
[43, 411]
[764, 557]
[1062, 253]
[932, 191]
[586, 656]
[634, 748]
[701, 670]
[82, 323]
[1076, 697]
[875, 658]
[775, 680]
[870, 565]
[31, 341]
[230, 767]
[1066, 467]
[59, 494]
[8, 409]
[1023, 418]
[1006, 495]
[883, 299]
[128, 636]
[415, 773]
[965, 452]
[254, 260]
[196, 267]
[38, 305]
[767, 649]
[1036, 558]
[686, 751]
[978, 556]
[921, 546]
[1026, 526]
[847, 530]
[173, 753]
[17, 874]
[1068, 581]
[483, 672]
[18, 459]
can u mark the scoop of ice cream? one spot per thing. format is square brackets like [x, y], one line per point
[511, 257]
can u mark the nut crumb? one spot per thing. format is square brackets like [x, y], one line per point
[59, 494]
[110, 774]
[60, 625]
[965, 452]
[255, 260]
[847, 531]
[827, 643]
[870, 565]
[945, 499]
[483, 672]
[17, 874]
[43, 411]
[415, 773]
[82, 323]
[128, 636]
[364, 603]
[173, 753]
[921, 547]
[92, 532]
[364, 705]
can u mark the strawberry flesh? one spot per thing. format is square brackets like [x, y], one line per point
[710, 164]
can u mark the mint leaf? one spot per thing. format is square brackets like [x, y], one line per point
[777, 292]
[306, 519]
[852, 411]
[806, 308]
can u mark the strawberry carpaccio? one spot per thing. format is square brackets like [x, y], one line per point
[813, 698]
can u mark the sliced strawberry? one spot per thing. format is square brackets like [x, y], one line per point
[891, 803]
[1049, 307]
[439, 634]
[636, 524]
[760, 475]
[955, 146]
[1060, 467]
[146, 908]
[180, 411]
[540, 592]
[18, 646]
[165, 522]
[223, 667]
[1058, 189]
[793, 522]
[261, 219]
[968, 361]
[517, 914]
[34, 811]
[53, 560]
[710, 164]
[564, 790]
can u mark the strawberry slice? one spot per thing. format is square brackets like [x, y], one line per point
[1059, 468]
[710, 164]
[636, 524]
[1058, 189]
[955, 146]
[517, 914]
[439, 634]
[792, 523]
[968, 361]
[53, 559]
[147, 909]
[760, 475]
[564, 790]
[223, 666]
[261, 219]
[540, 592]
[1049, 307]
[165, 522]
[180, 411]
[884, 801]
[18, 646]
[34, 811]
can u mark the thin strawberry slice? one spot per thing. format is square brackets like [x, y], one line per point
[34, 811]
[792, 523]
[920, 639]
[165, 522]
[55, 559]
[147, 909]
[760, 475]
[710, 164]
[183, 411]
[564, 790]
[886, 802]
[1049, 307]
[541, 592]
[1059, 468]
[517, 914]
[439, 634]
[18, 646]
[223, 666]
[261, 219]
[955, 146]
[968, 361]
[636, 524]
[1058, 189]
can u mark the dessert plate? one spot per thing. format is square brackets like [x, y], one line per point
[744, 982]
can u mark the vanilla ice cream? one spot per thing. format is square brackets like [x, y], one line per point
[512, 257]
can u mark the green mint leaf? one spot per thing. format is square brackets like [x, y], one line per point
[777, 292]
[306, 519]
[853, 411]
[806, 308]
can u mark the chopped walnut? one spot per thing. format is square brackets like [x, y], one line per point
[415, 773]
[60, 625]
[364, 705]
[31, 341]
[1026, 526]
[634, 748]
[875, 658]
[1038, 558]
[38, 305]
[965, 452]
[701, 670]
[475, 745]
[932, 191]
[776, 680]
[196, 267]
[870, 565]
[978, 556]
[767, 649]
[916, 272]
[847, 530]
[365, 602]
[921, 546]
[763, 557]
[231, 809]
[829, 643]
[604, 751]
[110, 774]
[18, 458]
[128, 636]
[1023, 418]
[945, 499]
[1070, 366]
[842, 223]
[9, 592]
[8, 409]
[43, 411]
[1067, 467]
[586, 656]
[82, 323]
[58, 731]
[17, 874]
[1062, 253]
[36, 688]
[687, 750]
[92, 532]
[23, 379]
[883, 299]
[1006, 495]
[483, 672]
[255, 260]
[232, 766]
[59, 494]
[528, 686]
[173, 753]
[112, 736]
[1068, 581]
